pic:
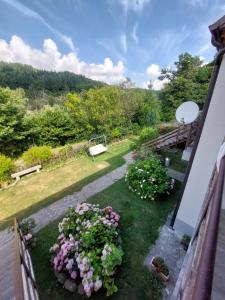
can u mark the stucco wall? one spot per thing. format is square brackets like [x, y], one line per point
[210, 141]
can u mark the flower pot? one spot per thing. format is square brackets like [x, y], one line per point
[161, 276]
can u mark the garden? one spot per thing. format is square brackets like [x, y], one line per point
[39, 190]
[98, 248]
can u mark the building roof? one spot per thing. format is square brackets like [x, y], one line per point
[216, 30]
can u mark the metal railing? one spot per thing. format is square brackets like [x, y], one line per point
[195, 282]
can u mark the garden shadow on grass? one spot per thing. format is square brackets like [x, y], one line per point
[140, 222]
[113, 163]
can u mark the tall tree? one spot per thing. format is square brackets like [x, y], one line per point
[13, 132]
[189, 81]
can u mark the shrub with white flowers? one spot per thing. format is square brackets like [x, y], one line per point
[88, 250]
[148, 179]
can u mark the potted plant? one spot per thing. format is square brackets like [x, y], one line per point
[185, 241]
[160, 268]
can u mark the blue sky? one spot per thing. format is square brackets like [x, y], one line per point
[107, 39]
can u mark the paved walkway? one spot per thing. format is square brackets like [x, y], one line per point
[176, 175]
[168, 247]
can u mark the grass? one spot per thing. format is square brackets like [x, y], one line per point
[176, 162]
[39, 190]
[140, 222]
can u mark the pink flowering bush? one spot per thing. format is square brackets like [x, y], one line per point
[149, 179]
[88, 249]
[27, 227]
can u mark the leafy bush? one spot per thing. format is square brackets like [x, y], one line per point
[88, 249]
[149, 179]
[148, 133]
[185, 241]
[27, 228]
[115, 133]
[6, 166]
[37, 154]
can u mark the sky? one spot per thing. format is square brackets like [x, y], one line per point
[107, 40]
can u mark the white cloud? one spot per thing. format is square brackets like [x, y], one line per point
[49, 58]
[156, 84]
[123, 41]
[23, 9]
[196, 2]
[153, 71]
[133, 5]
[134, 33]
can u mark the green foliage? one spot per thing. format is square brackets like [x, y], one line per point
[107, 110]
[149, 179]
[112, 260]
[27, 227]
[185, 241]
[33, 80]
[37, 154]
[14, 135]
[6, 166]
[54, 126]
[115, 133]
[148, 133]
[188, 82]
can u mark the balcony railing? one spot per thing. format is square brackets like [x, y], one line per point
[196, 278]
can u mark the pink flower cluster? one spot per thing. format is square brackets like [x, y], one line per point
[86, 272]
[112, 216]
[63, 260]
[28, 236]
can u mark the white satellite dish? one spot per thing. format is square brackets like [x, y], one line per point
[187, 112]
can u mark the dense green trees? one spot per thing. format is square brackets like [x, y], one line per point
[109, 110]
[36, 82]
[58, 108]
[189, 81]
[14, 133]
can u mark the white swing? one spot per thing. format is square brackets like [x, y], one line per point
[96, 146]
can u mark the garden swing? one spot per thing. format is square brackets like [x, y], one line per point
[97, 145]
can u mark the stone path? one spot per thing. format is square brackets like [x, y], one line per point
[176, 175]
[168, 247]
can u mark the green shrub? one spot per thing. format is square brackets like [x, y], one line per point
[6, 166]
[148, 133]
[115, 133]
[149, 179]
[37, 154]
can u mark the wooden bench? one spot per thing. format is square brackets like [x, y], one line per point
[25, 172]
[26, 288]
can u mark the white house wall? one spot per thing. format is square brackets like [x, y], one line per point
[210, 141]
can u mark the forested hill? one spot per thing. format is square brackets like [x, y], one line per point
[16, 75]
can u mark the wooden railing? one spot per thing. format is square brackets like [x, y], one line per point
[196, 277]
[176, 136]
[26, 288]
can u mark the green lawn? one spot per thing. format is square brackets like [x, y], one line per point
[40, 189]
[175, 156]
[140, 222]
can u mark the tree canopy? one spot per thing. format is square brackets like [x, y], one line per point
[188, 81]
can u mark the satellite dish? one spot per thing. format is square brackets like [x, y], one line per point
[187, 112]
